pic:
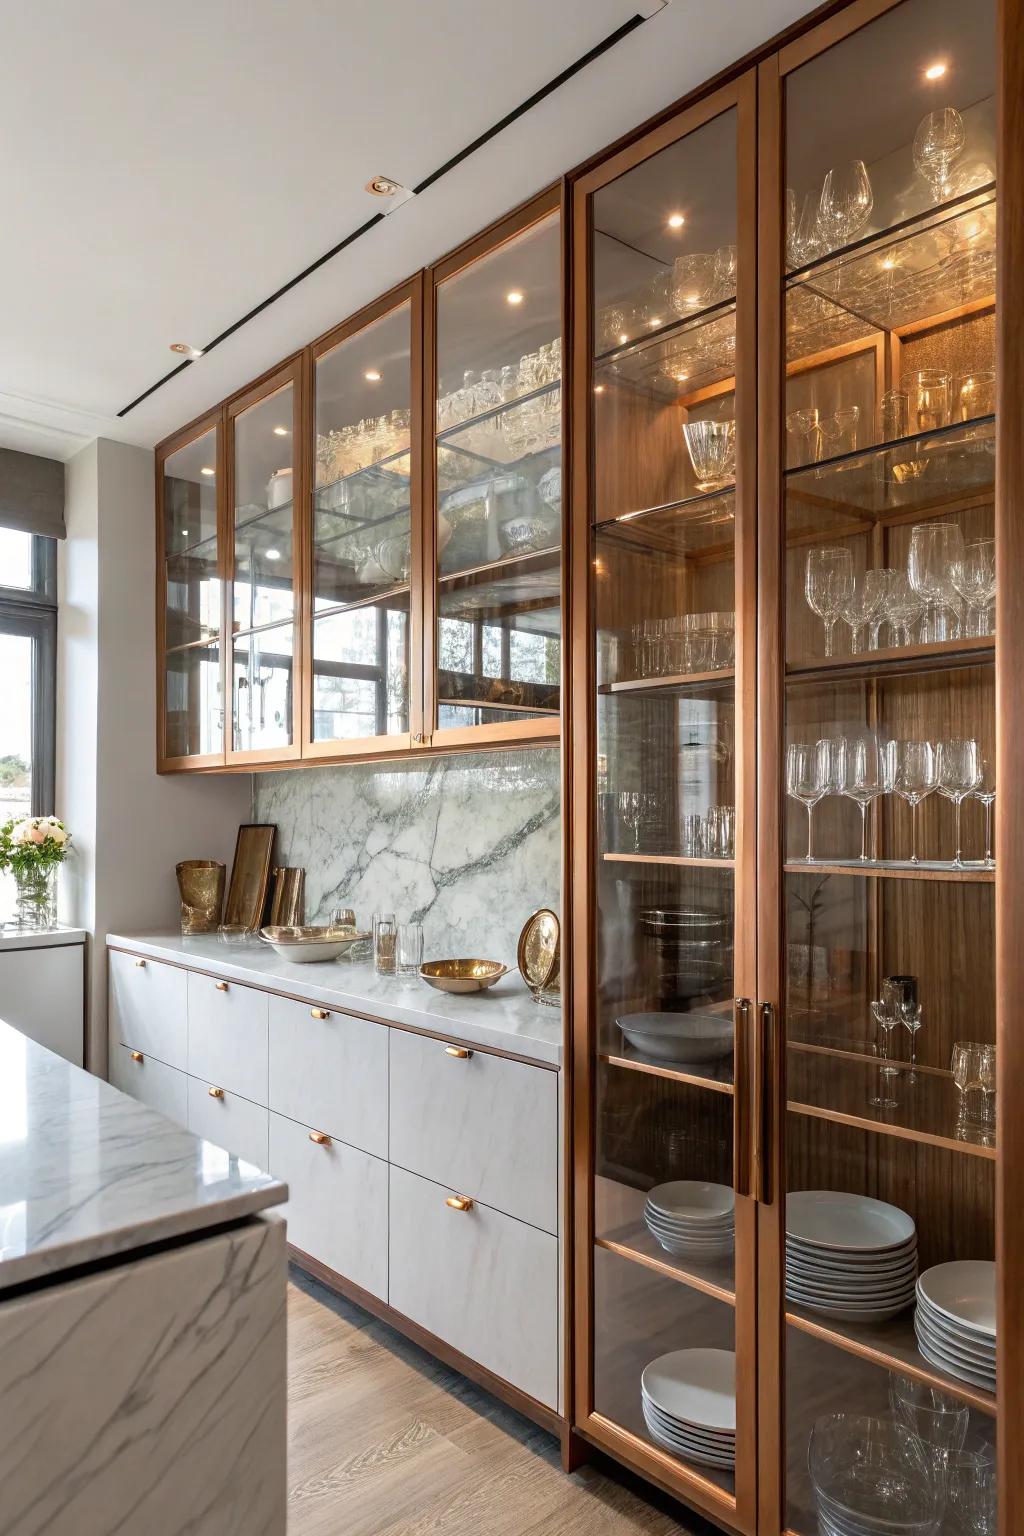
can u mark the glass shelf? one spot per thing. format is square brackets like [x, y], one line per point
[893, 869]
[686, 354]
[718, 1079]
[671, 860]
[469, 690]
[692, 525]
[895, 661]
[723, 678]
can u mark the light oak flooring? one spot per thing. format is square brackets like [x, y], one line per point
[383, 1440]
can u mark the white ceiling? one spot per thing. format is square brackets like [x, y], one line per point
[167, 167]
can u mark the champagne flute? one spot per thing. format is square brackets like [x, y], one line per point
[863, 778]
[828, 584]
[958, 770]
[912, 772]
[908, 1011]
[985, 791]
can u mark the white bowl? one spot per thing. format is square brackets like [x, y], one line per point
[845, 1223]
[687, 1038]
[692, 1200]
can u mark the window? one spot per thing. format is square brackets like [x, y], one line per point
[28, 672]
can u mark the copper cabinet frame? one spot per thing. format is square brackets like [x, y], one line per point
[660, 1467]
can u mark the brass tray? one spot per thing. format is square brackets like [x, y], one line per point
[539, 951]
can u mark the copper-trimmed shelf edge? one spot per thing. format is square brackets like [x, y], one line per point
[717, 678]
[668, 1271]
[665, 1069]
[675, 859]
[892, 870]
[898, 1357]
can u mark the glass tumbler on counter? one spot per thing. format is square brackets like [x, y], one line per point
[385, 937]
[410, 948]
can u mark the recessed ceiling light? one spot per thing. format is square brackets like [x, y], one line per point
[936, 71]
[272, 554]
[382, 186]
[207, 469]
[183, 349]
[372, 376]
[281, 431]
[676, 221]
[514, 297]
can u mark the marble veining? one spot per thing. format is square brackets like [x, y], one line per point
[87, 1172]
[469, 845]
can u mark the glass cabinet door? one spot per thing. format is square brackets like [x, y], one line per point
[668, 515]
[191, 608]
[365, 539]
[265, 456]
[498, 495]
[883, 1232]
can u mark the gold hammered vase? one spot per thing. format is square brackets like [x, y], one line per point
[201, 883]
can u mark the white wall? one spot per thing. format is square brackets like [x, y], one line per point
[130, 825]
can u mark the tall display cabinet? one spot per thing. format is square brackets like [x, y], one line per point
[793, 815]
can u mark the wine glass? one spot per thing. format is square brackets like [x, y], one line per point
[804, 426]
[863, 777]
[846, 202]
[908, 1011]
[935, 549]
[938, 143]
[902, 605]
[958, 770]
[805, 783]
[911, 771]
[974, 1073]
[985, 791]
[632, 810]
[973, 574]
[865, 600]
[883, 1011]
[828, 583]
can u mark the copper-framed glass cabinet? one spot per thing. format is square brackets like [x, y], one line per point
[786, 532]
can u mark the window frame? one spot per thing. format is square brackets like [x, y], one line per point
[32, 612]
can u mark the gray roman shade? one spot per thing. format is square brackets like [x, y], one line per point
[32, 494]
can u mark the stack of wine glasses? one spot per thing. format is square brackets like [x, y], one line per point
[862, 767]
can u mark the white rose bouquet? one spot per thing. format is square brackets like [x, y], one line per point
[36, 843]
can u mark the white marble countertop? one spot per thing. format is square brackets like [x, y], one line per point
[40, 938]
[87, 1172]
[504, 1017]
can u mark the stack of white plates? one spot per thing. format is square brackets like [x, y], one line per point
[955, 1321]
[693, 1219]
[689, 1403]
[849, 1256]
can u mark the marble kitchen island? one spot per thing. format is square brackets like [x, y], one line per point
[142, 1317]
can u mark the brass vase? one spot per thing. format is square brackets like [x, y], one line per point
[201, 883]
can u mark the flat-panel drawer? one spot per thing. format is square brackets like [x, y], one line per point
[330, 1070]
[163, 1088]
[148, 1008]
[486, 1284]
[337, 1208]
[228, 1120]
[483, 1124]
[227, 1035]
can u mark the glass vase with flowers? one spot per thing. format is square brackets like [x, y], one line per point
[33, 848]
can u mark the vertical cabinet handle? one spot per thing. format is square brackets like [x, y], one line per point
[742, 1139]
[769, 1087]
[459, 1051]
[221, 986]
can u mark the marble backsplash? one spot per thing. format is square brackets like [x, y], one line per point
[470, 844]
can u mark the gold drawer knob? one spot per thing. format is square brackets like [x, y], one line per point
[320, 1013]
[137, 1056]
[320, 1138]
[140, 964]
[458, 1051]
[459, 1202]
[221, 986]
[215, 1093]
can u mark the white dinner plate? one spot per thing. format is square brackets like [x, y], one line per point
[946, 1335]
[841, 1222]
[687, 1453]
[686, 1427]
[697, 1256]
[855, 1285]
[817, 1258]
[698, 1228]
[901, 1295]
[986, 1380]
[858, 1273]
[698, 1234]
[849, 1314]
[978, 1357]
[716, 1446]
[964, 1291]
[696, 1385]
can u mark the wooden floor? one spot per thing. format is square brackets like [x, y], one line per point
[383, 1439]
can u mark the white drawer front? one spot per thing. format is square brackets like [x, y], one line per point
[337, 1209]
[227, 1035]
[483, 1124]
[161, 1087]
[484, 1283]
[147, 1007]
[229, 1121]
[330, 1072]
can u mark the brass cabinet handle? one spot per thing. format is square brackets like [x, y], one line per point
[221, 986]
[320, 1138]
[140, 963]
[459, 1202]
[137, 1056]
[741, 1129]
[769, 1073]
[215, 1093]
[459, 1051]
[320, 1013]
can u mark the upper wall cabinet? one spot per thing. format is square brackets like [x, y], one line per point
[494, 587]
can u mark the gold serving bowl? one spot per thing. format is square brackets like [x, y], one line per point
[309, 943]
[462, 975]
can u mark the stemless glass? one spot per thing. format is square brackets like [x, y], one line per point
[863, 777]
[385, 934]
[971, 1484]
[985, 791]
[929, 392]
[911, 770]
[958, 769]
[693, 283]
[828, 583]
[935, 550]
[711, 446]
[410, 948]
[894, 413]
[974, 1073]
[804, 783]
[938, 143]
[934, 1418]
[975, 394]
[804, 427]
[865, 600]
[840, 430]
[846, 202]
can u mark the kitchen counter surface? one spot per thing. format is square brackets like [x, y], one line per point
[504, 1017]
[40, 938]
[87, 1172]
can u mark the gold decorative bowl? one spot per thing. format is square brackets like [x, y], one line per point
[462, 975]
[307, 944]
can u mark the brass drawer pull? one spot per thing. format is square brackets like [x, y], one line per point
[137, 1056]
[215, 1093]
[221, 986]
[458, 1051]
[320, 1138]
[459, 1202]
[140, 964]
[320, 1013]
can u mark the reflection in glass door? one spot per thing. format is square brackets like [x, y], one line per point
[668, 517]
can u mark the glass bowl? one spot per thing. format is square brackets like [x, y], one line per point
[871, 1474]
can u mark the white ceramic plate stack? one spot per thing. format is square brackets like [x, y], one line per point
[848, 1256]
[693, 1219]
[955, 1321]
[689, 1403]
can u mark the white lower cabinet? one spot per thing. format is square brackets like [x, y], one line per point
[147, 1007]
[330, 1070]
[228, 1120]
[227, 1035]
[163, 1088]
[337, 1209]
[479, 1280]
